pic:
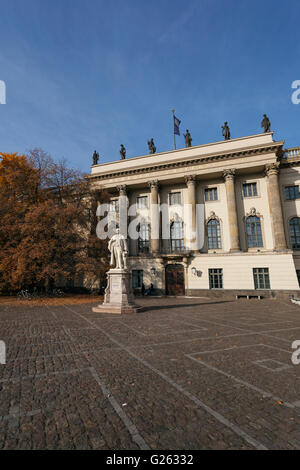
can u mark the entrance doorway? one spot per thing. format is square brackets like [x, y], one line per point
[175, 279]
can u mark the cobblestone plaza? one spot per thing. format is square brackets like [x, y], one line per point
[188, 373]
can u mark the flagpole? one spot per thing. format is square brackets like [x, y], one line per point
[173, 111]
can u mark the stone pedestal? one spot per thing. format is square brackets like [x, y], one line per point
[119, 298]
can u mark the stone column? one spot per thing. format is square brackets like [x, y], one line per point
[272, 171]
[154, 216]
[228, 175]
[123, 210]
[191, 201]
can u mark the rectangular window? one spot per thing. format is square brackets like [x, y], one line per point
[298, 276]
[292, 193]
[213, 234]
[142, 202]
[249, 189]
[211, 194]
[143, 240]
[114, 205]
[261, 278]
[254, 234]
[215, 278]
[175, 199]
[137, 278]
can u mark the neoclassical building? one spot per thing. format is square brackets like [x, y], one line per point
[244, 205]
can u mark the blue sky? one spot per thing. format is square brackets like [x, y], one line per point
[85, 75]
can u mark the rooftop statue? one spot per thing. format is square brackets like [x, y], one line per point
[123, 152]
[226, 131]
[151, 146]
[188, 139]
[95, 158]
[266, 124]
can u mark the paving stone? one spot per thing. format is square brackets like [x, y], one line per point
[184, 374]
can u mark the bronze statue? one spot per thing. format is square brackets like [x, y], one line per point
[151, 146]
[266, 124]
[123, 152]
[95, 158]
[188, 139]
[226, 131]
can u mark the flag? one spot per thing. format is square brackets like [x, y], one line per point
[176, 125]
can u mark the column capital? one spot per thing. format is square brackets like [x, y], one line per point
[229, 174]
[190, 179]
[272, 168]
[122, 189]
[154, 184]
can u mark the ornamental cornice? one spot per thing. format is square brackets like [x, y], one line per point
[253, 213]
[212, 216]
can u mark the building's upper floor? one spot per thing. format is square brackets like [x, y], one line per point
[249, 188]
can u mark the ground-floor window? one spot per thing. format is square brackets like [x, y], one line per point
[298, 276]
[215, 278]
[261, 278]
[137, 278]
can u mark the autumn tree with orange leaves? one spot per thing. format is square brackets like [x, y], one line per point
[47, 230]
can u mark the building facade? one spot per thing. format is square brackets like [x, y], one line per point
[239, 198]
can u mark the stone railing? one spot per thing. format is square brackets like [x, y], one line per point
[171, 249]
[292, 153]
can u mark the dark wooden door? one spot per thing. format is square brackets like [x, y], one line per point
[175, 279]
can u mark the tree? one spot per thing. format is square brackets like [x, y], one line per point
[48, 233]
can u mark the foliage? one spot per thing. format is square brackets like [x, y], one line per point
[47, 231]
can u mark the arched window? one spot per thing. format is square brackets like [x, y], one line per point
[295, 232]
[253, 230]
[213, 234]
[177, 240]
[143, 240]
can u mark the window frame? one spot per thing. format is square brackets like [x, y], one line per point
[265, 275]
[289, 187]
[214, 188]
[177, 244]
[297, 247]
[143, 244]
[114, 203]
[248, 183]
[256, 234]
[139, 198]
[298, 275]
[218, 237]
[213, 276]
[139, 273]
[172, 193]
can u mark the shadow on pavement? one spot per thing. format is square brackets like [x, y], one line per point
[163, 307]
